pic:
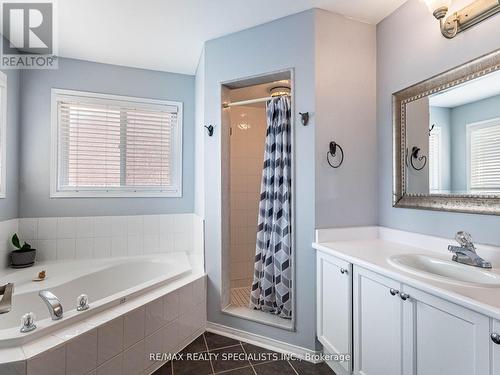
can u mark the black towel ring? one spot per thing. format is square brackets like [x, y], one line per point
[332, 152]
[414, 155]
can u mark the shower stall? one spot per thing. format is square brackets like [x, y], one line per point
[257, 239]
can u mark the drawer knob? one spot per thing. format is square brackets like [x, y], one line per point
[495, 337]
[404, 296]
[343, 271]
[394, 291]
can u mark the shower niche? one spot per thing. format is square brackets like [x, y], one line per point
[245, 133]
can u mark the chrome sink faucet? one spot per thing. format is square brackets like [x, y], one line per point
[53, 304]
[466, 252]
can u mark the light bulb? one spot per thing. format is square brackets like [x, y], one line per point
[243, 124]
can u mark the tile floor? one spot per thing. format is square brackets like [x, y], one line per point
[262, 361]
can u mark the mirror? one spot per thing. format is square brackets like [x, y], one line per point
[447, 140]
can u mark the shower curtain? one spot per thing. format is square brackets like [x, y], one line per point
[272, 282]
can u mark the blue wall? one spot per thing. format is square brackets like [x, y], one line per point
[9, 204]
[34, 200]
[405, 56]
[345, 79]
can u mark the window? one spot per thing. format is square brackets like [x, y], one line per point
[107, 145]
[483, 152]
[435, 159]
[3, 133]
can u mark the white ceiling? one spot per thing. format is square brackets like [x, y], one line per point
[478, 89]
[168, 35]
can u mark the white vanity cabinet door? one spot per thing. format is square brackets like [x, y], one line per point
[377, 324]
[495, 352]
[443, 338]
[334, 320]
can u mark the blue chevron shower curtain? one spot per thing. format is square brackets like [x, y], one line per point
[272, 282]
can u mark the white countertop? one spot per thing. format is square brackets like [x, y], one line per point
[370, 248]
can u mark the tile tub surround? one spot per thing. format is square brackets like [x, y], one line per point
[108, 236]
[7, 229]
[119, 340]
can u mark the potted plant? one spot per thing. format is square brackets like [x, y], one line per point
[24, 256]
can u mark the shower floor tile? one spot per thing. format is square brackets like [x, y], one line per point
[240, 296]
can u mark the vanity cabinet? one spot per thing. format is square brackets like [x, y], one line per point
[334, 296]
[377, 316]
[495, 347]
[397, 329]
[440, 337]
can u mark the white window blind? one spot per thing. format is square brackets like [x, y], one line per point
[484, 156]
[435, 159]
[109, 145]
[3, 134]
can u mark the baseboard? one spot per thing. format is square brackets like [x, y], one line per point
[265, 342]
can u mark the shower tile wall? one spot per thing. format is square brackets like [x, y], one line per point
[247, 154]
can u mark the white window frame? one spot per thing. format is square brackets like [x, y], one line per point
[439, 133]
[469, 128]
[3, 136]
[118, 192]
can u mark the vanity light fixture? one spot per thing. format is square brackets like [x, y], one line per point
[461, 20]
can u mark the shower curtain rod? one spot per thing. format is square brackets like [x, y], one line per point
[250, 101]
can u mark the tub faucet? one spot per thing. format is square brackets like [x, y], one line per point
[466, 252]
[6, 292]
[53, 304]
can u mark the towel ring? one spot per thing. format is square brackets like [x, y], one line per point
[332, 152]
[414, 155]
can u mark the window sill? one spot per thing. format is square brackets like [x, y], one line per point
[115, 194]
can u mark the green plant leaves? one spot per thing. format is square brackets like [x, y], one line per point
[26, 247]
[15, 241]
[17, 244]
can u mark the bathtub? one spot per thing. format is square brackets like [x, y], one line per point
[107, 282]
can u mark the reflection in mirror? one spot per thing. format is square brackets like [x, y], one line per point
[453, 140]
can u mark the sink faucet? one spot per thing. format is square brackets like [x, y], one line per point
[466, 252]
[6, 292]
[53, 304]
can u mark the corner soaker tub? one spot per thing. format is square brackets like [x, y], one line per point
[107, 282]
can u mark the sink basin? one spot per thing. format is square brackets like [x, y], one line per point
[445, 270]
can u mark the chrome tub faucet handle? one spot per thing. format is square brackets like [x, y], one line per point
[82, 302]
[28, 323]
